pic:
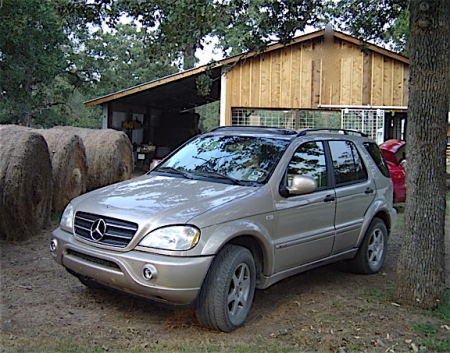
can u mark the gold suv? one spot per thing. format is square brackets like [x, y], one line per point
[233, 210]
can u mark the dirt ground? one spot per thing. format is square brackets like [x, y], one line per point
[44, 309]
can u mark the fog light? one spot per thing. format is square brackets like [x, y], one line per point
[53, 245]
[149, 272]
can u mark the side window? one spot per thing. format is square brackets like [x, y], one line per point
[309, 159]
[347, 163]
[375, 152]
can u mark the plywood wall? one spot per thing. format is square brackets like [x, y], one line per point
[314, 72]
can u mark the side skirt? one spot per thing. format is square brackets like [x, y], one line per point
[267, 281]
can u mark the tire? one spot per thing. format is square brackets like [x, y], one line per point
[89, 282]
[372, 251]
[85, 280]
[227, 292]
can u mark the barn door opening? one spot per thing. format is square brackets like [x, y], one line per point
[370, 122]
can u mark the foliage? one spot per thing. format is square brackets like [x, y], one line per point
[179, 28]
[30, 58]
[209, 116]
[381, 21]
[254, 24]
[113, 60]
[51, 64]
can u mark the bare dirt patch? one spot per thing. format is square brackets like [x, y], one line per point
[43, 308]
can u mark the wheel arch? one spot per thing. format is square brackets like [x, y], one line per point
[259, 252]
[384, 216]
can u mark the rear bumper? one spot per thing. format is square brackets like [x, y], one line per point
[174, 280]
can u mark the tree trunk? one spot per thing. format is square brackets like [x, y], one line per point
[189, 58]
[421, 266]
[25, 115]
[25, 118]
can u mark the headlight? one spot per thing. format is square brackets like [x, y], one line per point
[67, 219]
[172, 238]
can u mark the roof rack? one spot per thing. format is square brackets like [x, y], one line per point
[330, 130]
[256, 129]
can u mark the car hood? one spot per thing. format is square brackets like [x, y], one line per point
[154, 201]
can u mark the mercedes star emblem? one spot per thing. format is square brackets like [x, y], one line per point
[98, 229]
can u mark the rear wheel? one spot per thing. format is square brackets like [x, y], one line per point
[372, 251]
[227, 293]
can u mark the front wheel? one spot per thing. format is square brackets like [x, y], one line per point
[372, 251]
[227, 293]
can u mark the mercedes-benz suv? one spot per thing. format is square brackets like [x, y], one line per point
[229, 211]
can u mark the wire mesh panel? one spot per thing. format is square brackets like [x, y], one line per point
[294, 119]
[272, 118]
[370, 122]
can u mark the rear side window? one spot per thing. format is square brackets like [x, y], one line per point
[377, 157]
[347, 163]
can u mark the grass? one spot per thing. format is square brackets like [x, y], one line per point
[376, 295]
[426, 329]
[400, 208]
[432, 341]
[436, 346]
[442, 310]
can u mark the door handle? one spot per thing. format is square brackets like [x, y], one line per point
[329, 198]
[369, 191]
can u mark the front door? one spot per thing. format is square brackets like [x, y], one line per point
[305, 224]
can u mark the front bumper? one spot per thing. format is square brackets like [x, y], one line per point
[168, 279]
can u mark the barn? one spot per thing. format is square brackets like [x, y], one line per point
[321, 79]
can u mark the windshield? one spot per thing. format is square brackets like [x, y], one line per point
[245, 160]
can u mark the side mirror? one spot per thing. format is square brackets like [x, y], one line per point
[301, 185]
[154, 164]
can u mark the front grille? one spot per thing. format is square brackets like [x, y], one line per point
[93, 259]
[116, 233]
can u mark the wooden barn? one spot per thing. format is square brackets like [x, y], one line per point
[322, 79]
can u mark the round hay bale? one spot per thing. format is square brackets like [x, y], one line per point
[25, 183]
[69, 163]
[109, 155]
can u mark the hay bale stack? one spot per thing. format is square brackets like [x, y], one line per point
[25, 183]
[69, 163]
[109, 155]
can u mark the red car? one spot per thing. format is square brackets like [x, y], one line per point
[394, 151]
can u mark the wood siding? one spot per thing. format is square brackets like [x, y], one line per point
[309, 73]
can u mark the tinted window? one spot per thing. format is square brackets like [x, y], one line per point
[348, 166]
[309, 159]
[248, 159]
[375, 152]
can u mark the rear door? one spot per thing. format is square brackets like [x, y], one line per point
[355, 191]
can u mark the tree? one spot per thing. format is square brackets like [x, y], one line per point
[179, 28]
[51, 61]
[111, 60]
[381, 21]
[421, 263]
[30, 58]
[421, 267]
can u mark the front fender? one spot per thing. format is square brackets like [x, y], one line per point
[259, 228]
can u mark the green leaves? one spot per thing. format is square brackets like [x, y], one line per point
[54, 50]
[383, 21]
[31, 55]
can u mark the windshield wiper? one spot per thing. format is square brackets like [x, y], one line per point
[218, 175]
[173, 171]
